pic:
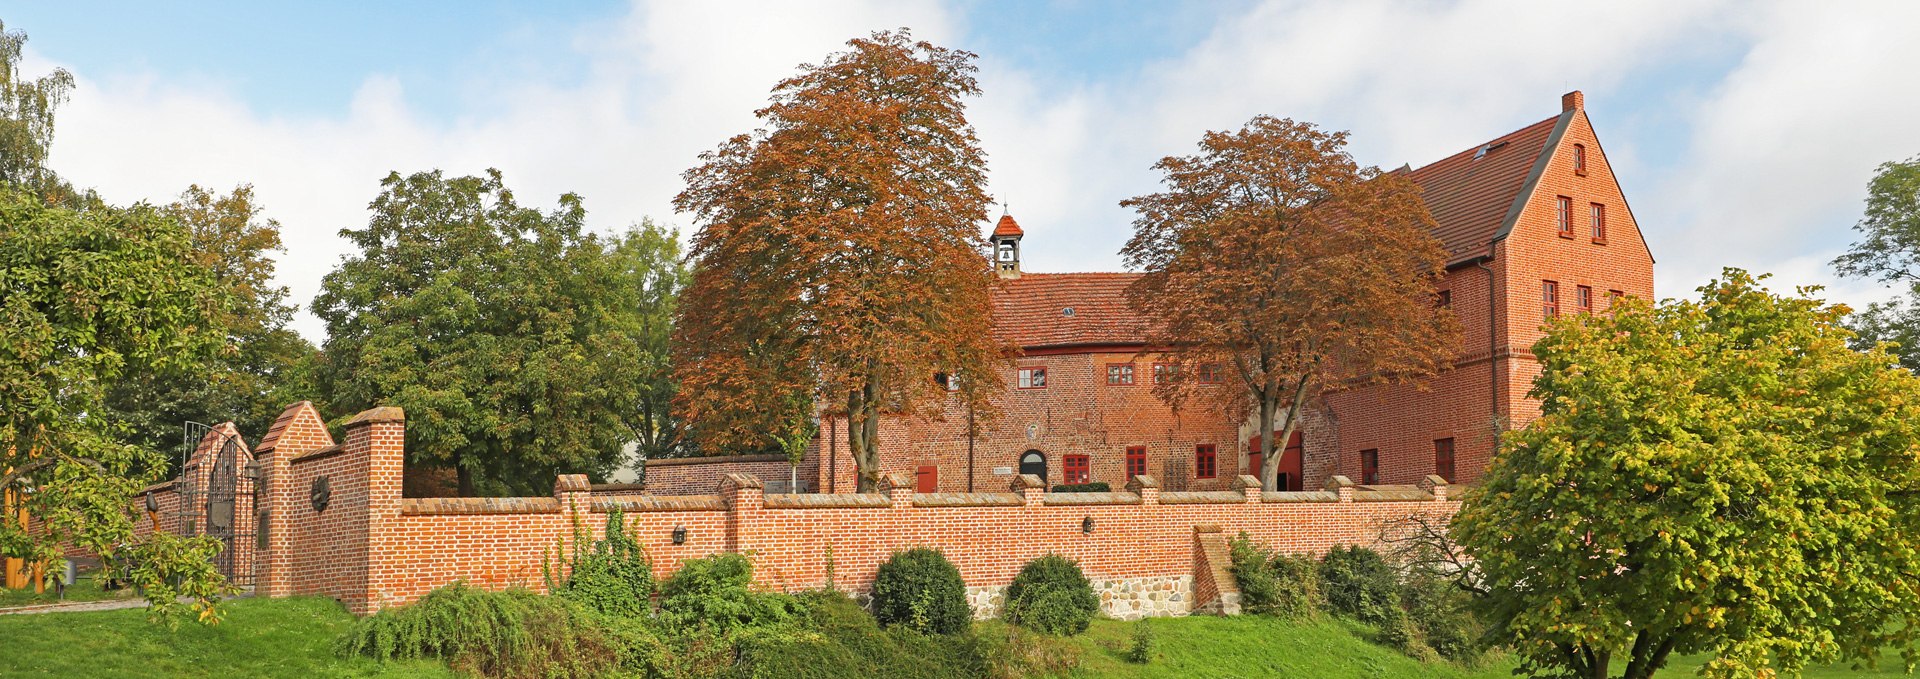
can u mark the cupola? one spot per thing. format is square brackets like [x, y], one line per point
[1006, 247]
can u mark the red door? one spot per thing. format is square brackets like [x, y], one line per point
[927, 479]
[1289, 478]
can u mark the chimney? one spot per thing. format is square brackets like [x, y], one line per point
[1572, 101]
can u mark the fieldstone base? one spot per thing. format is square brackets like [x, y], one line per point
[1124, 599]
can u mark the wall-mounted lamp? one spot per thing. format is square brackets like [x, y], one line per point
[1086, 525]
[679, 535]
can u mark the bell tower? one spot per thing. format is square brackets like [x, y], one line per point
[1006, 247]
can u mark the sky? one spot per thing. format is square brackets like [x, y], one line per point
[1744, 133]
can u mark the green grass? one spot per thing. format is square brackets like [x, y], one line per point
[83, 589]
[260, 638]
[1202, 647]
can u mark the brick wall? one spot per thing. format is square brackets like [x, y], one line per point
[695, 475]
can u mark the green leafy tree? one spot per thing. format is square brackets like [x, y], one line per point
[1890, 253]
[1722, 476]
[89, 296]
[503, 330]
[651, 273]
[263, 367]
[26, 117]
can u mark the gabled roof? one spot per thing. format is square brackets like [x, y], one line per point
[1007, 227]
[1475, 194]
[1031, 311]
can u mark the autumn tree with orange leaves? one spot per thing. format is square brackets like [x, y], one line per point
[1275, 262]
[839, 263]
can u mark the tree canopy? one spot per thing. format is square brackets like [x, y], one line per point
[839, 261]
[91, 295]
[1278, 266]
[1889, 251]
[1721, 476]
[26, 117]
[501, 329]
[264, 364]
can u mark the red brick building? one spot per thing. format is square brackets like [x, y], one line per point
[1535, 224]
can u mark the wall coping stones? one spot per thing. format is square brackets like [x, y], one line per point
[826, 500]
[1245, 481]
[1141, 481]
[715, 459]
[896, 481]
[968, 500]
[424, 506]
[1078, 499]
[572, 483]
[1299, 496]
[742, 481]
[318, 453]
[1337, 482]
[1202, 497]
[617, 487]
[1391, 494]
[663, 503]
[378, 414]
[1024, 481]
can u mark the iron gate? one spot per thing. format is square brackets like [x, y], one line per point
[218, 493]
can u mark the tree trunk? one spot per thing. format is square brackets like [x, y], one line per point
[1269, 467]
[863, 428]
[465, 475]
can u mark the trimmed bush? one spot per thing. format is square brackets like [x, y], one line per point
[1051, 595]
[921, 589]
[1281, 585]
[1360, 583]
[515, 633]
[1092, 487]
[715, 593]
[613, 577]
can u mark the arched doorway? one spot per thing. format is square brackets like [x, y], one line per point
[1034, 462]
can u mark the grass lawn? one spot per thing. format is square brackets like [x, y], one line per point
[260, 638]
[84, 589]
[1204, 647]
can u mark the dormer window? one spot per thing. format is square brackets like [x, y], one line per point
[1580, 159]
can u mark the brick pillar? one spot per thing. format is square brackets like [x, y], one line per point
[899, 488]
[746, 499]
[1435, 485]
[1147, 487]
[1248, 486]
[380, 435]
[575, 494]
[1030, 487]
[299, 430]
[1341, 486]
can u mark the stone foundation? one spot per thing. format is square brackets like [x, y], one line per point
[1124, 599]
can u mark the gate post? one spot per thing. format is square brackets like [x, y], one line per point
[298, 431]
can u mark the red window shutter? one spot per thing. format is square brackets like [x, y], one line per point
[1443, 458]
[1076, 468]
[927, 479]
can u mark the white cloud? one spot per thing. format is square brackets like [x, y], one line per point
[1775, 156]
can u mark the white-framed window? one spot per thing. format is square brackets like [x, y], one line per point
[1033, 378]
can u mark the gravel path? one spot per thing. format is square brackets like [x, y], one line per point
[89, 606]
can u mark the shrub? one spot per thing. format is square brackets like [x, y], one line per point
[1361, 584]
[1051, 595]
[1142, 650]
[613, 577]
[1093, 487]
[921, 589]
[1275, 584]
[842, 640]
[515, 633]
[1441, 614]
[715, 593]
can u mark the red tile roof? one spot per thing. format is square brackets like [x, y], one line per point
[1471, 192]
[1007, 227]
[1031, 311]
[1472, 196]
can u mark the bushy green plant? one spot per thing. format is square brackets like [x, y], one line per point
[921, 589]
[1282, 585]
[1443, 617]
[716, 593]
[515, 633]
[614, 576]
[1051, 595]
[841, 639]
[1141, 652]
[1360, 583]
[1091, 487]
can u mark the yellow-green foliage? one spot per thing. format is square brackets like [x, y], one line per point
[515, 633]
[1721, 476]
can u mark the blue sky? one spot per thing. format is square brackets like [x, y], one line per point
[1744, 132]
